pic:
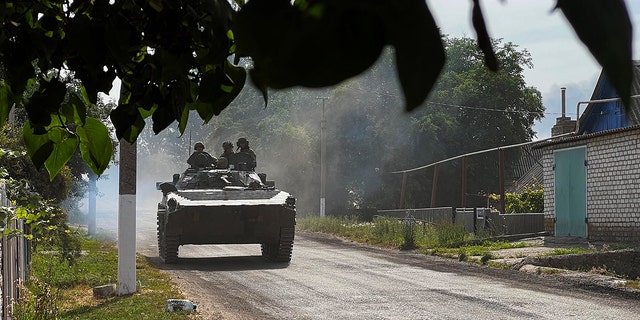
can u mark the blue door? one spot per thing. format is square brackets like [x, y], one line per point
[570, 175]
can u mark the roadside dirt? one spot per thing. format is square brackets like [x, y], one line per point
[608, 265]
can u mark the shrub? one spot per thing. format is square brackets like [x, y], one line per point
[531, 199]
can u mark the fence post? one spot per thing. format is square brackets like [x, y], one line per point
[402, 190]
[475, 220]
[501, 177]
[464, 182]
[434, 186]
[3, 276]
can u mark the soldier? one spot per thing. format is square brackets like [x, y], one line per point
[227, 146]
[199, 158]
[243, 147]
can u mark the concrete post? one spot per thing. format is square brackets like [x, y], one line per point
[127, 219]
[91, 217]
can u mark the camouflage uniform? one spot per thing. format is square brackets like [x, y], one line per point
[243, 145]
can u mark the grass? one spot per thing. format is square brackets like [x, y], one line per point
[544, 270]
[565, 251]
[633, 284]
[444, 239]
[58, 290]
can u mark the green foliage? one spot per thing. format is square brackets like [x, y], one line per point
[444, 239]
[97, 268]
[450, 235]
[565, 251]
[530, 200]
[39, 301]
[52, 142]
[174, 57]
[57, 290]
[486, 257]
[19, 167]
[35, 200]
[389, 232]
[463, 256]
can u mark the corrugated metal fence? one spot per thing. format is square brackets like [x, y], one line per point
[14, 262]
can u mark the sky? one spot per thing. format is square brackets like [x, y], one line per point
[559, 58]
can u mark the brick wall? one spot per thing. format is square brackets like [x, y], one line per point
[549, 189]
[613, 185]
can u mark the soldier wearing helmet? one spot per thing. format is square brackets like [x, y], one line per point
[199, 158]
[227, 146]
[249, 155]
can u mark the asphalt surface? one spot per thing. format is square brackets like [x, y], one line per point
[330, 278]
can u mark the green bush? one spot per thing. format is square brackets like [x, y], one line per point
[531, 199]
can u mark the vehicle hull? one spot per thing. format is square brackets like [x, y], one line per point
[229, 215]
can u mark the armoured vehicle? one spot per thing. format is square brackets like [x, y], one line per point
[225, 206]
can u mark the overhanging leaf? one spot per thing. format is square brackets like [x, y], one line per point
[65, 144]
[96, 146]
[420, 54]
[47, 100]
[164, 116]
[484, 41]
[75, 109]
[5, 106]
[605, 28]
[308, 46]
[128, 122]
[184, 119]
[218, 89]
[38, 146]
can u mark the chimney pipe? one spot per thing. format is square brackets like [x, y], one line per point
[563, 89]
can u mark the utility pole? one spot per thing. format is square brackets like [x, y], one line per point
[127, 216]
[93, 191]
[323, 158]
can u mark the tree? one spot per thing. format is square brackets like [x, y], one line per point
[472, 109]
[175, 56]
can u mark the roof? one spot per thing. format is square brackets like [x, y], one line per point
[602, 116]
[527, 171]
[574, 137]
[634, 115]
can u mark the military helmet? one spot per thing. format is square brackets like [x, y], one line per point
[198, 145]
[227, 144]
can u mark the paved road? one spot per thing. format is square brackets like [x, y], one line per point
[332, 279]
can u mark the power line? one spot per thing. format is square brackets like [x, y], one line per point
[492, 110]
[387, 94]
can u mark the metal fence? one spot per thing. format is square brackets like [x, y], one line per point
[14, 261]
[474, 219]
[474, 179]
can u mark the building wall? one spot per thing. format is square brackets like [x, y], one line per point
[613, 186]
